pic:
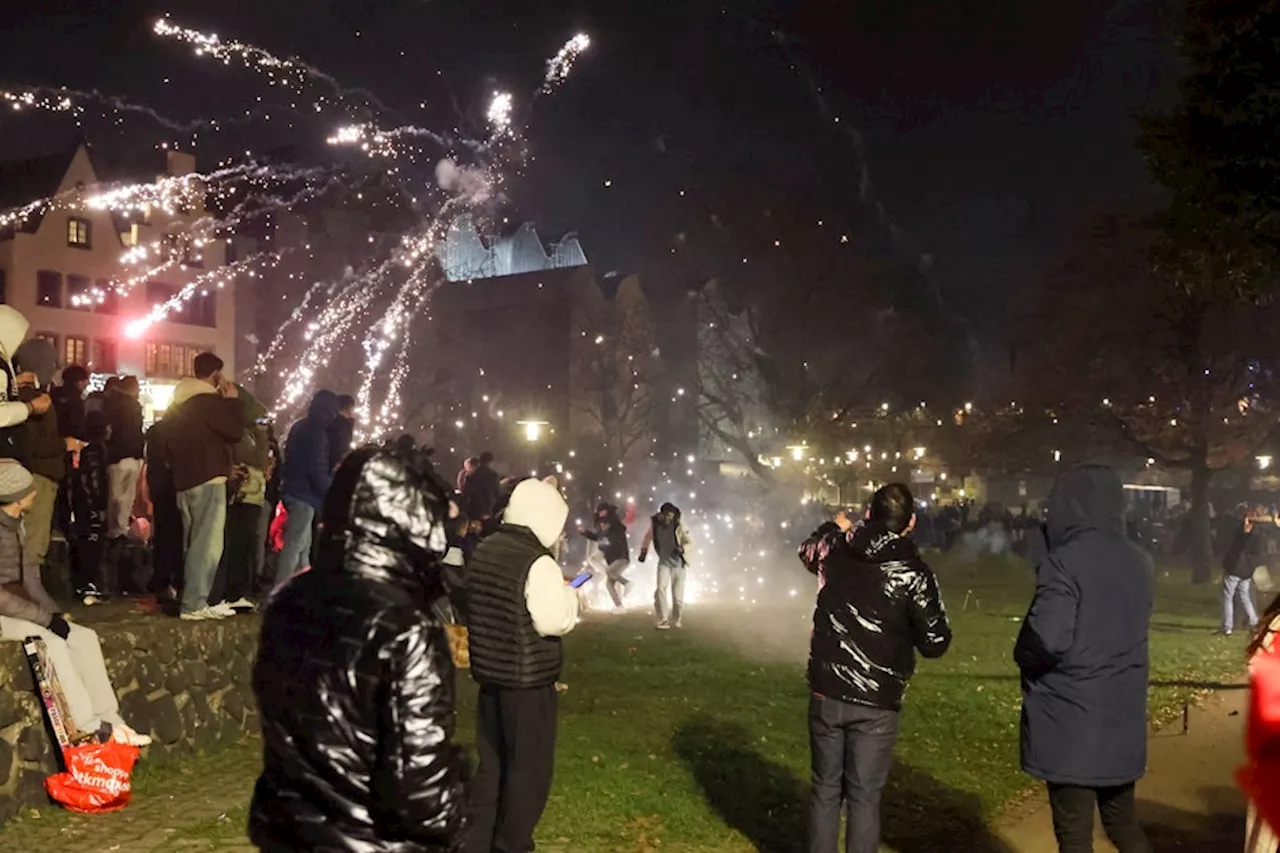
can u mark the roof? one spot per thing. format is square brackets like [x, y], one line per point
[25, 181]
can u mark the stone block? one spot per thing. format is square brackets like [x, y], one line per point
[8, 762]
[30, 789]
[198, 672]
[178, 679]
[165, 650]
[34, 743]
[167, 720]
[137, 712]
[233, 705]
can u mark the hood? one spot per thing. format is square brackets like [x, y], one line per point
[39, 357]
[1086, 497]
[324, 406]
[13, 329]
[191, 387]
[385, 518]
[539, 506]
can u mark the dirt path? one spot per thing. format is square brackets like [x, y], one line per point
[1188, 800]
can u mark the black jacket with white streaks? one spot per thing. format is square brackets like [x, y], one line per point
[878, 604]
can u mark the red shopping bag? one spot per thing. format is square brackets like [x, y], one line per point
[97, 778]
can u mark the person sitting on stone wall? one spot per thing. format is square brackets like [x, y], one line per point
[26, 610]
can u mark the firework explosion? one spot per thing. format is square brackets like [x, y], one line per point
[377, 304]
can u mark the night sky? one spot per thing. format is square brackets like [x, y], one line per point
[990, 136]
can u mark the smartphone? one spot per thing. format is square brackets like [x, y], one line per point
[581, 579]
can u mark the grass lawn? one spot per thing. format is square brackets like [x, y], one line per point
[696, 740]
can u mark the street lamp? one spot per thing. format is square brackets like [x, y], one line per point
[798, 451]
[532, 430]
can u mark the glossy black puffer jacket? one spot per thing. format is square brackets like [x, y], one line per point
[354, 680]
[878, 604]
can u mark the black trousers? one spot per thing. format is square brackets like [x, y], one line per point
[516, 739]
[1073, 818]
[168, 549]
[87, 553]
[241, 554]
[851, 752]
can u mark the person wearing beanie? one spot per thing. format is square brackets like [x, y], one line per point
[26, 610]
[612, 555]
[670, 538]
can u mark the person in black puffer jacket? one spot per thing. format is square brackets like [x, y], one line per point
[614, 552]
[354, 680]
[878, 604]
[1082, 651]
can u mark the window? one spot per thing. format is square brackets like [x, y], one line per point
[79, 232]
[108, 301]
[76, 350]
[104, 356]
[49, 289]
[158, 293]
[202, 309]
[79, 293]
[180, 248]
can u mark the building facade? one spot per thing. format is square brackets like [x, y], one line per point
[57, 268]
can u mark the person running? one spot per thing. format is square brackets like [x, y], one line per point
[670, 539]
[613, 551]
[878, 604]
[1247, 551]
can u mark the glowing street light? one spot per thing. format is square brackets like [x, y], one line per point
[532, 430]
[1264, 462]
[798, 451]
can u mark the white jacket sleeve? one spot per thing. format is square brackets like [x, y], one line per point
[12, 414]
[552, 603]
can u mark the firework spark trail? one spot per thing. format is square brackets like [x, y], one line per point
[64, 100]
[559, 66]
[291, 73]
[382, 143]
[217, 277]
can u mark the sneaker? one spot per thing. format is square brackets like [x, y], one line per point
[223, 609]
[679, 623]
[121, 733]
[243, 604]
[202, 615]
[664, 625]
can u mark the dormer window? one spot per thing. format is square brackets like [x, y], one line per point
[79, 233]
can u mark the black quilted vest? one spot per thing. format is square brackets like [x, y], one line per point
[506, 650]
[13, 439]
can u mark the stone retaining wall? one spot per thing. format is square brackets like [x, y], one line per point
[185, 684]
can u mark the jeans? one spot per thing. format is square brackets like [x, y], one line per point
[851, 751]
[122, 479]
[204, 520]
[670, 577]
[77, 662]
[296, 554]
[516, 742]
[1242, 588]
[1073, 818]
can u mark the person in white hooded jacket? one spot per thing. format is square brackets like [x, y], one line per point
[519, 607]
[13, 411]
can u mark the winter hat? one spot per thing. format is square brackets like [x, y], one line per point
[15, 482]
[669, 507]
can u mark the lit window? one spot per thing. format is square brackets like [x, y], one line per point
[76, 350]
[104, 356]
[79, 232]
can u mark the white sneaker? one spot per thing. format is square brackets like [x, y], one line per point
[664, 625]
[203, 614]
[243, 604]
[224, 610]
[125, 734]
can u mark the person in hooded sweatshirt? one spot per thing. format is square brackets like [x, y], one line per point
[878, 604]
[612, 548]
[14, 411]
[1082, 652]
[354, 680]
[205, 421]
[519, 607]
[305, 478]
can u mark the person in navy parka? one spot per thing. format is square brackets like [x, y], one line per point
[1083, 656]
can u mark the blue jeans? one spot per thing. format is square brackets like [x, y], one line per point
[296, 553]
[1242, 588]
[851, 750]
[204, 522]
